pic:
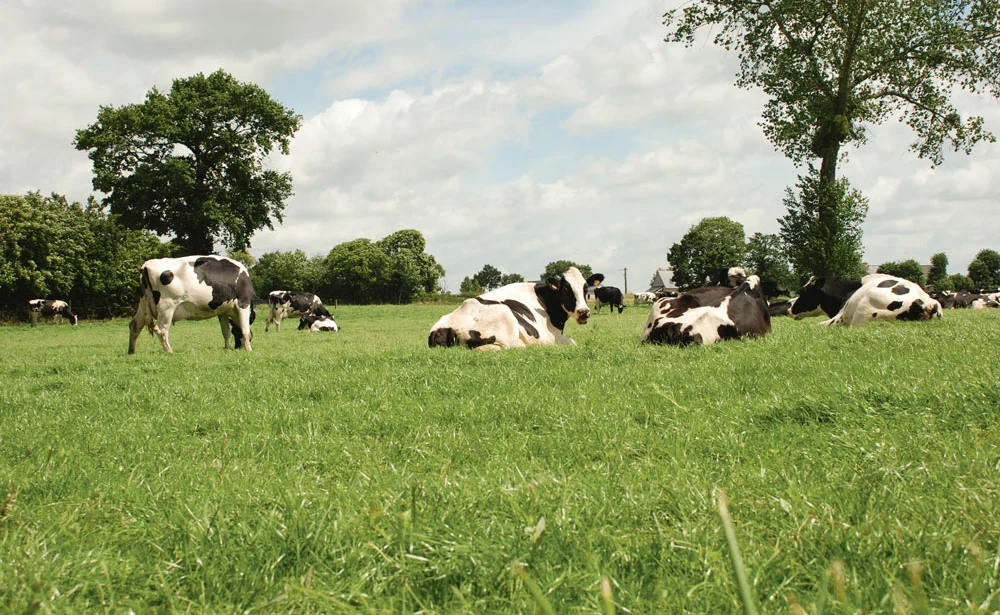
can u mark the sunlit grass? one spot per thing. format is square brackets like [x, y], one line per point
[363, 471]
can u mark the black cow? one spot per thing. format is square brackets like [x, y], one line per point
[709, 314]
[283, 303]
[606, 295]
[194, 288]
[56, 309]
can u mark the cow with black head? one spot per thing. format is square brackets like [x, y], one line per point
[515, 316]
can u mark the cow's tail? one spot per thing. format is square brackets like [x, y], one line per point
[148, 310]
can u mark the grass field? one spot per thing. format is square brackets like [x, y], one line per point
[361, 471]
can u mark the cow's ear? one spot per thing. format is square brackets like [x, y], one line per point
[554, 282]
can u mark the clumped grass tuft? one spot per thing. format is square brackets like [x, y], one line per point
[361, 471]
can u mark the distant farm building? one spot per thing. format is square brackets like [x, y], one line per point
[663, 280]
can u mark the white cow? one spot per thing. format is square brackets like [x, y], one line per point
[642, 298]
[884, 297]
[516, 315]
[194, 288]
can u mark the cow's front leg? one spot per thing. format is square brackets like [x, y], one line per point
[226, 329]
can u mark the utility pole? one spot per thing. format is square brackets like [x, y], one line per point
[625, 272]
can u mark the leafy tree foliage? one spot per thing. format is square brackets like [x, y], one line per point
[511, 278]
[938, 275]
[287, 271]
[190, 163]
[50, 248]
[394, 269]
[766, 258]
[831, 70]
[958, 281]
[559, 267]
[470, 287]
[984, 270]
[825, 245]
[711, 244]
[489, 277]
[908, 270]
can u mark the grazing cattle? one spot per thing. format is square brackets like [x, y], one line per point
[315, 322]
[643, 298]
[194, 288]
[284, 303]
[822, 296]
[701, 317]
[883, 297]
[516, 315]
[779, 308]
[56, 309]
[606, 295]
[967, 299]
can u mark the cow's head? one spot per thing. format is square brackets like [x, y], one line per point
[730, 276]
[570, 288]
[810, 299]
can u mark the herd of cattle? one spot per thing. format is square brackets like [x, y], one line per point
[527, 313]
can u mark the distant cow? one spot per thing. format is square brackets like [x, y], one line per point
[606, 295]
[194, 288]
[314, 322]
[284, 303]
[704, 316]
[643, 298]
[516, 315]
[56, 309]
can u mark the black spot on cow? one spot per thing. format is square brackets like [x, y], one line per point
[916, 312]
[442, 337]
[887, 283]
[476, 339]
[728, 332]
[521, 313]
[166, 277]
[899, 289]
[556, 294]
[227, 280]
[895, 305]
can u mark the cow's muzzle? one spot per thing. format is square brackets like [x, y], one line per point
[582, 315]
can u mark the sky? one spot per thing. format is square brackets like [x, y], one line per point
[509, 133]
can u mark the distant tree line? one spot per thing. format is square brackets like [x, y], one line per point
[791, 256]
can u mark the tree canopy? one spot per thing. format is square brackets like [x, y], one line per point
[395, 269]
[766, 258]
[708, 246]
[984, 270]
[938, 275]
[832, 70]
[489, 277]
[559, 267]
[190, 163]
[908, 270]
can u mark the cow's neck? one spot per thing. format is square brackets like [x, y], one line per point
[550, 299]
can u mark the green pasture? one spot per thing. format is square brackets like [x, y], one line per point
[362, 472]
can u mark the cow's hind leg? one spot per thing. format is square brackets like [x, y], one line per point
[245, 320]
[226, 330]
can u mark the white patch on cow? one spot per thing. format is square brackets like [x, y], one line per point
[324, 324]
[643, 298]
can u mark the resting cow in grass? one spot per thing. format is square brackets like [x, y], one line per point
[707, 315]
[883, 297]
[194, 288]
[284, 303]
[642, 298]
[56, 309]
[516, 315]
[315, 323]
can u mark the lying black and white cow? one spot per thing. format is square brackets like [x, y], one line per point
[606, 295]
[516, 315]
[194, 288]
[709, 314]
[283, 303]
[730, 276]
[315, 322]
[877, 297]
[822, 296]
[56, 309]
[643, 298]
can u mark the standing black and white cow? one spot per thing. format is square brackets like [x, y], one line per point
[709, 314]
[284, 303]
[194, 288]
[873, 297]
[606, 295]
[516, 315]
[56, 309]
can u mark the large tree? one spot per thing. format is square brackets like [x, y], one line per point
[938, 275]
[834, 68]
[984, 270]
[766, 258]
[708, 246]
[190, 163]
[909, 269]
[489, 277]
